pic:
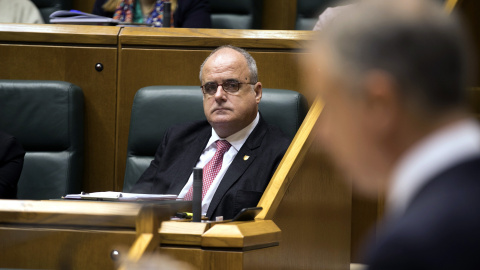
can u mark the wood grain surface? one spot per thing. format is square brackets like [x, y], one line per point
[183, 233]
[59, 33]
[268, 39]
[242, 234]
[279, 14]
[313, 206]
[37, 248]
[77, 234]
[290, 164]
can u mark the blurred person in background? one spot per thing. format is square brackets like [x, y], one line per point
[394, 76]
[186, 13]
[19, 11]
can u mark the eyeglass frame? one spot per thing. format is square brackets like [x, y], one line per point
[221, 84]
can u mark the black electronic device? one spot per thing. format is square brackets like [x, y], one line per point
[197, 194]
[247, 214]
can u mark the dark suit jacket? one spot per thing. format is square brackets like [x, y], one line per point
[243, 183]
[11, 164]
[189, 13]
[440, 228]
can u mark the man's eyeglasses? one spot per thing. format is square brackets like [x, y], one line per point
[230, 87]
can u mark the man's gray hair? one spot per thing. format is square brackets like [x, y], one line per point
[252, 65]
[424, 50]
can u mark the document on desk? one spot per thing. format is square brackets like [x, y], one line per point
[78, 17]
[120, 196]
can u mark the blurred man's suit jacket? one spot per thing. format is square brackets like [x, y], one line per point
[440, 228]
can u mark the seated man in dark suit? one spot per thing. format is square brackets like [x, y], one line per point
[11, 164]
[237, 149]
[393, 75]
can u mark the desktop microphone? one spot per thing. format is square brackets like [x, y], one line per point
[167, 14]
[197, 194]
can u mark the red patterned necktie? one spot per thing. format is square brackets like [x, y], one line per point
[211, 170]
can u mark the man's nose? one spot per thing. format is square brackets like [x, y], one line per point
[220, 94]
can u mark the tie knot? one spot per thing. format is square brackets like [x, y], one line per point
[223, 145]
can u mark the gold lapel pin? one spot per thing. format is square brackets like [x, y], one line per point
[245, 157]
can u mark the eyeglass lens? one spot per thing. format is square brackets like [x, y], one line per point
[228, 86]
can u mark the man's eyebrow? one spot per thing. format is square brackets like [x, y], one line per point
[226, 80]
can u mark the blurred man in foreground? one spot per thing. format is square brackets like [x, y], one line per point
[393, 75]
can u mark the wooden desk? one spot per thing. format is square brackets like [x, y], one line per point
[74, 234]
[305, 201]
[148, 56]
[234, 245]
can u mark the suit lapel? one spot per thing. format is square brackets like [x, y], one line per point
[239, 165]
[192, 154]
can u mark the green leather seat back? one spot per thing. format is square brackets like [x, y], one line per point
[156, 108]
[308, 12]
[236, 14]
[47, 7]
[47, 118]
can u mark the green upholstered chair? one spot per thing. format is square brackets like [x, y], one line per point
[47, 7]
[236, 14]
[156, 108]
[47, 118]
[308, 11]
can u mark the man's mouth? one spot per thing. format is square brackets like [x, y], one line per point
[220, 109]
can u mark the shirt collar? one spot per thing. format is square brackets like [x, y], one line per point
[237, 139]
[440, 150]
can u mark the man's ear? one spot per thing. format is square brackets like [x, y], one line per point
[382, 102]
[258, 91]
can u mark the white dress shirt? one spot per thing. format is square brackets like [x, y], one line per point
[439, 151]
[236, 140]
